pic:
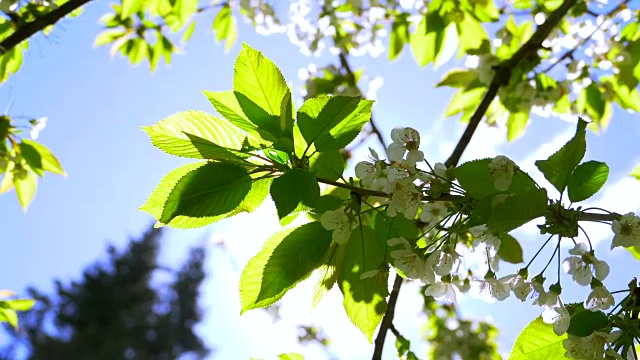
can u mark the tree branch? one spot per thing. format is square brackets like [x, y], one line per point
[368, 192]
[29, 29]
[387, 320]
[503, 74]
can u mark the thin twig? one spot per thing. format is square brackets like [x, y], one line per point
[503, 74]
[29, 29]
[368, 192]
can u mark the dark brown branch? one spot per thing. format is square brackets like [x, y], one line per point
[503, 74]
[351, 79]
[27, 30]
[387, 320]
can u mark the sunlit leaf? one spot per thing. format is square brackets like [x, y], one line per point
[538, 342]
[587, 179]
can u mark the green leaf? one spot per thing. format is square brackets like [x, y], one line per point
[184, 9]
[130, 7]
[538, 342]
[427, 40]
[260, 87]
[187, 33]
[517, 210]
[26, 188]
[328, 272]
[21, 304]
[319, 115]
[199, 135]
[347, 130]
[108, 36]
[39, 158]
[635, 251]
[287, 258]
[227, 105]
[328, 165]
[225, 27]
[194, 195]
[559, 166]
[10, 316]
[290, 356]
[510, 249]
[471, 35]
[295, 187]
[516, 123]
[587, 179]
[636, 172]
[386, 228]
[465, 100]
[364, 299]
[458, 78]
[399, 35]
[476, 180]
[585, 322]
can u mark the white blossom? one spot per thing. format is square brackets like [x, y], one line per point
[432, 213]
[405, 198]
[405, 140]
[558, 316]
[627, 231]
[580, 265]
[37, 125]
[369, 171]
[443, 261]
[491, 289]
[442, 290]
[518, 284]
[407, 260]
[339, 222]
[502, 169]
[483, 235]
[599, 299]
[587, 347]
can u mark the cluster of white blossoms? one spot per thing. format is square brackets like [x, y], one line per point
[435, 258]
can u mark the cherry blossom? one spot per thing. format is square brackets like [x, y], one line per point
[339, 222]
[558, 316]
[442, 290]
[369, 171]
[599, 299]
[405, 199]
[405, 141]
[502, 169]
[581, 264]
[627, 231]
[407, 260]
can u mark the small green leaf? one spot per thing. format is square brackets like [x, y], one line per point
[187, 33]
[287, 258]
[458, 78]
[399, 35]
[364, 299]
[465, 100]
[586, 180]
[517, 210]
[26, 188]
[196, 134]
[510, 249]
[537, 341]
[328, 165]
[636, 172]
[516, 124]
[635, 251]
[39, 158]
[21, 304]
[108, 36]
[290, 356]
[295, 187]
[225, 27]
[559, 166]
[184, 9]
[10, 316]
[585, 322]
[130, 7]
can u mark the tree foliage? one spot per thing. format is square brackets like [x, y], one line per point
[115, 311]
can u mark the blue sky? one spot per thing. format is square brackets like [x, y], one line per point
[96, 106]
